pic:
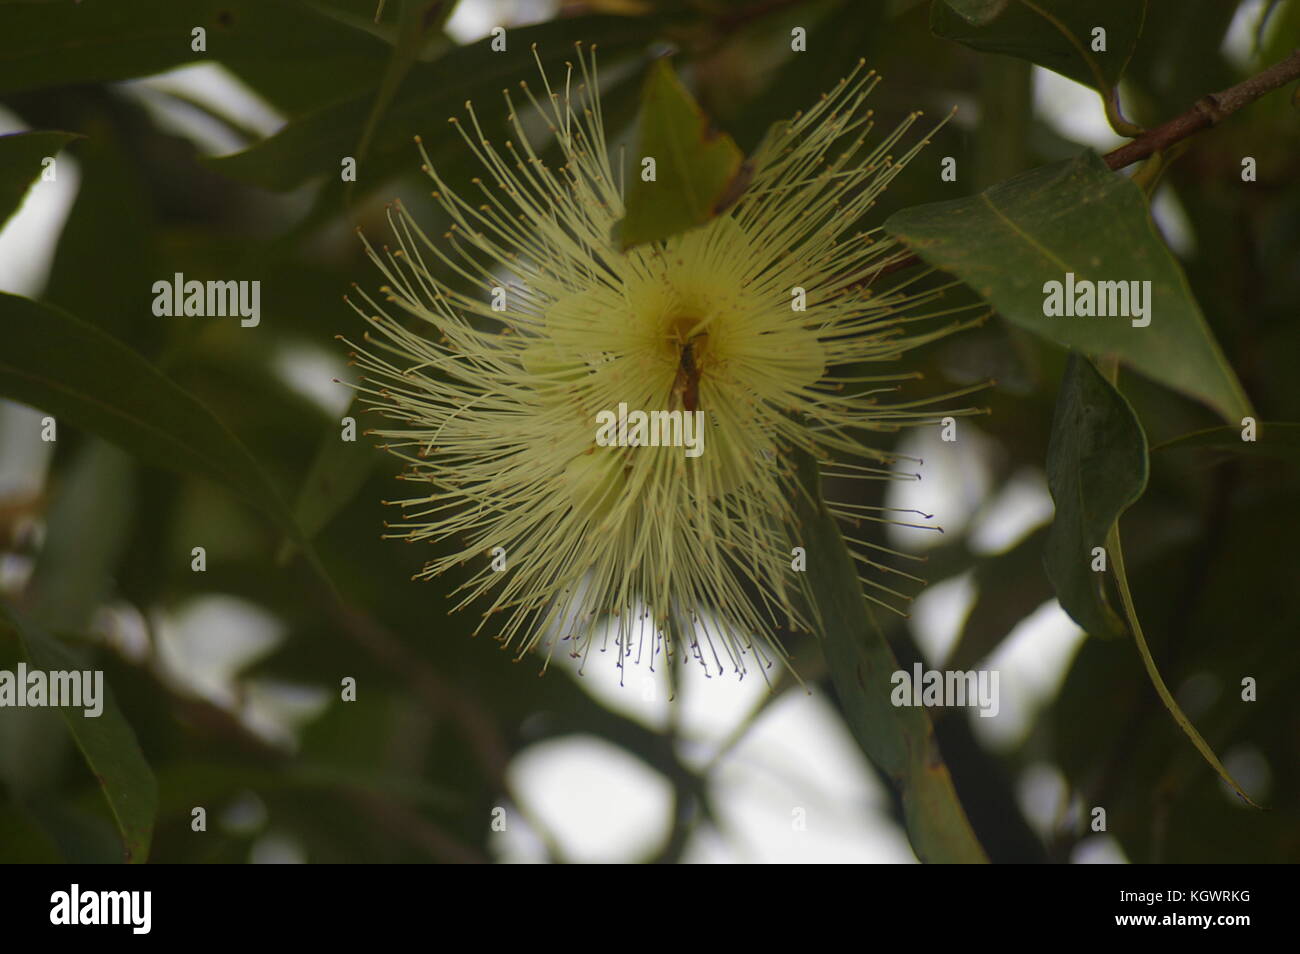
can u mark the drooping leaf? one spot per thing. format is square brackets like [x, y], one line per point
[698, 170]
[1057, 34]
[1096, 469]
[1116, 551]
[1078, 217]
[899, 740]
[21, 162]
[61, 364]
[107, 742]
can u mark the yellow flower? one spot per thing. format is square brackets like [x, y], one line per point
[530, 323]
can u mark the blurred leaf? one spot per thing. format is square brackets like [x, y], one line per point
[23, 840]
[1096, 469]
[1077, 216]
[315, 145]
[1272, 439]
[418, 19]
[34, 743]
[185, 784]
[448, 154]
[698, 170]
[1009, 586]
[1002, 149]
[337, 473]
[841, 35]
[1056, 34]
[20, 164]
[87, 528]
[107, 742]
[107, 255]
[897, 8]
[300, 52]
[899, 740]
[82, 831]
[73, 370]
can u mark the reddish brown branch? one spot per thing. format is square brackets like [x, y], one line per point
[1206, 112]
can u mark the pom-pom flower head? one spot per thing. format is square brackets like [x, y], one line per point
[608, 435]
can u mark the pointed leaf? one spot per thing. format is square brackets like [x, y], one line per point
[698, 170]
[21, 156]
[1096, 468]
[1078, 217]
[899, 740]
[68, 367]
[107, 742]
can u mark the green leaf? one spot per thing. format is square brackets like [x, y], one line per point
[899, 740]
[1077, 217]
[1280, 439]
[20, 163]
[337, 472]
[107, 742]
[840, 33]
[23, 840]
[1116, 550]
[307, 56]
[110, 246]
[698, 170]
[89, 523]
[418, 20]
[68, 367]
[429, 94]
[1096, 469]
[1057, 34]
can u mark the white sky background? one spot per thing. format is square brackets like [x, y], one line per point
[798, 762]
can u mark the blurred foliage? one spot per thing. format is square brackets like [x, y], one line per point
[174, 431]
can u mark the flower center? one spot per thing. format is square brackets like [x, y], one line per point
[688, 345]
